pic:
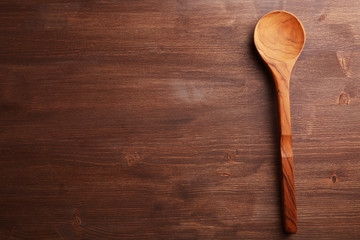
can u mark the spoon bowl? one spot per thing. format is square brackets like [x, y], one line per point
[279, 38]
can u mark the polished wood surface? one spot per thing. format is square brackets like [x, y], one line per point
[158, 120]
[279, 37]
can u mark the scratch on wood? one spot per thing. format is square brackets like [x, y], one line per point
[133, 159]
[344, 58]
[344, 99]
[322, 17]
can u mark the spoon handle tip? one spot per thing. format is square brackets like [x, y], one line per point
[289, 212]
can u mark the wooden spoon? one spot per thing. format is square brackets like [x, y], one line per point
[279, 38]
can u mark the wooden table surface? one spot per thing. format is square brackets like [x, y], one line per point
[157, 119]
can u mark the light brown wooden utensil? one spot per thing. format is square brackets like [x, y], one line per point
[279, 38]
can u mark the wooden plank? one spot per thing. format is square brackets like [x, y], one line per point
[158, 120]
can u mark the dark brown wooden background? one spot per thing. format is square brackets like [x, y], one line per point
[158, 120]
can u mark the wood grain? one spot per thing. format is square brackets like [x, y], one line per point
[158, 120]
[279, 38]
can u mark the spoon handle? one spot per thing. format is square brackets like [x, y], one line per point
[289, 212]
